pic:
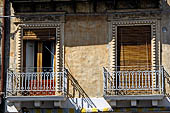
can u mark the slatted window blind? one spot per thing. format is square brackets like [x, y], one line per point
[134, 46]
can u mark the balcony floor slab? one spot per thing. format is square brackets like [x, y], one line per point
[36, 98]
[135, 97]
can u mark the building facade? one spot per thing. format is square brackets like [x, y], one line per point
[88, 56]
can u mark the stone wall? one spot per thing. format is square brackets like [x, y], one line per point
[86, 51]
[165, 24]
[165, 51]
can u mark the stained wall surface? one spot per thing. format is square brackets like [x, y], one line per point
[86, 51]
[86, 48]
[165, 47]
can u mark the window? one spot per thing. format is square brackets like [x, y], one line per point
[134, 46]
[39, 50]
[135, 55]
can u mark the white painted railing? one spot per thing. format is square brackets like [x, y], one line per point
[133, 81]
[35, 83]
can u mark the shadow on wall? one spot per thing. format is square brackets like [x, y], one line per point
[86, 52]
[165, 23]
[85, 31]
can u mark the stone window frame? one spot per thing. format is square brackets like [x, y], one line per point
[59, 42]
[155, 39]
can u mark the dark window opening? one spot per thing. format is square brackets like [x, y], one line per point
[47, 55]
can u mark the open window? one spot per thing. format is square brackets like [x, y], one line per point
[39, 60]
[39, 50]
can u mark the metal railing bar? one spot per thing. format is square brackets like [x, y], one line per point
[27, 82]
[148, 80]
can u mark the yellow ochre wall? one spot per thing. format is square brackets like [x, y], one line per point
[86, 51]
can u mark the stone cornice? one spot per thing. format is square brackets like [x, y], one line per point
[135, 15]
[41, 18]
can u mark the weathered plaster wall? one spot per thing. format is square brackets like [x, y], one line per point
[86, 48]
[165, 23]
[13, 37]
[165, 46]
[86, 51]
[84, 6]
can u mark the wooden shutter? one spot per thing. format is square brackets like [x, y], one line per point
[134, 46]
[39, 57]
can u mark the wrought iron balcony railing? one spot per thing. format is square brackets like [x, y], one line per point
[33, 83]
[133, 81]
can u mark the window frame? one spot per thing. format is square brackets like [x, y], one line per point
[155, 39]
[59, 43]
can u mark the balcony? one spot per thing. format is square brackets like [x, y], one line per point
[133, 83]
[43, 84]
[36, 82]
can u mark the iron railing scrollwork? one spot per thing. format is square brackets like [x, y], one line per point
[32, 83]
[45, 81]
[128, 82]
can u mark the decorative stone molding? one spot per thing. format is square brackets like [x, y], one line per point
[39, 25]
[135, 14]
[154, 38]
[19, 48]
[59, 57]
[59, 44]
[36, 18]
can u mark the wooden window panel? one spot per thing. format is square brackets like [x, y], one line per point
[39, 57]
